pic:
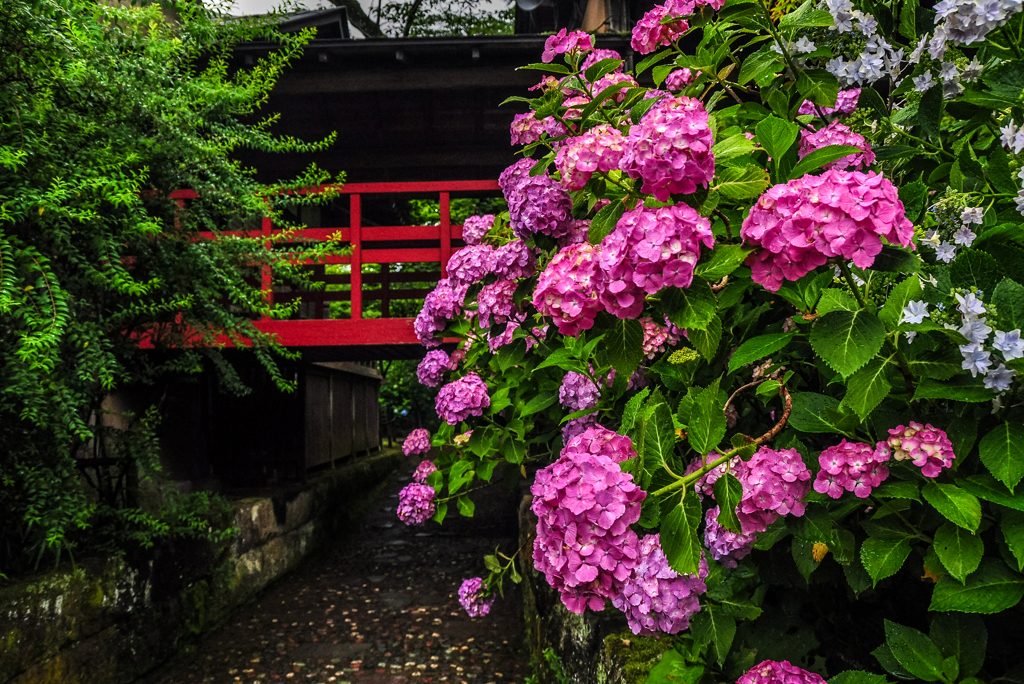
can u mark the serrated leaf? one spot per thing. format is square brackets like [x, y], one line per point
[1011, 525]
[834, 299]
[538, 403]
[689, 308]
[857, 677]
[892, 311]
[898, 489]
[814, 413]
[866, 388]
[659, 438]
[776, 135]
[724, 260]
[846, 340]
[624, 344]
[912, 649]
[992, 588]
[604, 222]
[819, 86]
[883, 557]
[999, 174]
[732, 146]
[954, 504]
[959, 389]
[758, 348]
[712, 626]
[974, 268]
[742, 182]
[1009, 299]
[959, 550]
[679, 535]
[629, 413]
[758, 66]
[466, 506]
[962, 637]
[440, 512]
[1002, 452]
[707, 424]
[820, 157]
[984, 486]
[728, 492]
[706, 341]
[802, 552]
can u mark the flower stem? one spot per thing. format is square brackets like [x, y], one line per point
[848, 277]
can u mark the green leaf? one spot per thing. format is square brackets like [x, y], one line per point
[974, 268]
[466, 506]
[992, 588]
[929, 112]
[739, 183]
[954, 504]
[758, 348]
[441, 512]
[689, 308]
[908, 20]
[712, 626]
[818, 86]
[659, 438]
[999, 174]
[673, 668]
[706, 341]
[834, 299]
[892, 311]
[898, 489]
[629, 413]
[866, 388]
[514, 450]
[762, 64]
[1002, 452]
[815, 413]
[885, 658]
[959, 550]
[679, 535]
[728, 492]
[1009, 300]
[984, 486]
[846, 340]
[624, 344]
[724, 260]
[600, 68]
[604, 221]
[776, 136]
[962, 637]
[732, 146]
[913, 195]
[539, 402]
[820, 157]
[883, 557]
[564, 359]
[806, 16]
[1006, 80]
[802, 552]
[914, 651]
[890, 152]
[965, 389]
[707, 424]
[1012, 526]
[539, 66]
[857, 677]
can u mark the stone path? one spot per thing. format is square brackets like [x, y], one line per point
[379, 608]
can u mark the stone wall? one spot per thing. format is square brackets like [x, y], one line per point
[593, 648]
[111, 621]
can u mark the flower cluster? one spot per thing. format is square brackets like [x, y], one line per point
[803, 223]
[585, 505]
[474, 228]
[418, 442]
[578, 392]
[563, 42]
[878, 58]
[432, 368]
[599, 149]
[851, 466]
[925, 446]
[969, 21]
[569, 289]
[470, 264]
[654, 31]
[495, 301]
[670, 149]
[423, 471]
[472, 598]
[838, 134]
[779, 672]
[461, 399]
[598, 55]
[679, 79]
[577, 426]
[539, 204]
[598, 439]
[656, 598]
[656, 337]
[774, 481]
[527, 128]
[846, 103]
[726, 547]
[649, 249]
[416, 503]
[511, 176]
[441, 305]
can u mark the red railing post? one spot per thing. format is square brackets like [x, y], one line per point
[265, 274]
[446, 234]
[355, 239]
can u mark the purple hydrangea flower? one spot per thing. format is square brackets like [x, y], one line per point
[846, 103]
[679, 79]
[837, 134]
[779, 672]
[578, 392]
[925, 446]
[472, 598]
[470, 264]
[656, 337]
[474, 228]
[418, 442]
[569, 289]
[510, 177]
[416, 503]
[433, 367]
[440, 305]
[514, 260]
[563, 42]
[495, 300]
[598, 439]
[852, 467]
[423, 471]
[577, 426]
[654, 29]
[599, 149]
[726, 547]
[539, 204]
[461, 399]
[774, 482]
[527, 128]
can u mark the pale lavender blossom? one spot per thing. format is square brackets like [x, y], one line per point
[1010, 344]
[945, 252]
[915, 312]
[923, 82]
[975, 329]
[965, 236]
[972, 215]
[1000, 378]
[976, 359]
[969, 304]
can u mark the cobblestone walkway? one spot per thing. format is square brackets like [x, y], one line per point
[379, 608]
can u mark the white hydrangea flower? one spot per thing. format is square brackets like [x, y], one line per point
[923, 82]
[918, 52]
[970, 305]
[937, 44]
[945, 252]
[910, 335]
[948, 72]
[1020, 201]
[972, 215]
[867, 24]
[1010, 344]
[1000, 378]
[973, 71]
[965, 236]
[915, 312]
[802, 46]
[976, 359]
[975, 330]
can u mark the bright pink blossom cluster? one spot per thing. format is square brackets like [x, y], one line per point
[461, 399]
[846, 103]
[853, 467]
[837, 134]
[657, 599]
[577, 426]
[527, 128]
[514, 260]
[495, 301]
[600, 440]
[510, 177]
[599, 149]
[598, 55]
[440, 305]
[474, 228]
[656, 337]
[623, 81]
[578, 392]
[563, 42]
[670, 149]
[725, 546]
[801, 224]
[471, 597]
[585, 505]
[418, 442]
[779, 672]
[652, 31]
[423, 471]
[432, 368]
[470, 264]
[649, 249]
[774, 482]
[539, 204]
[416, 503]
[569, 289]
[679, 79]
[925, 446]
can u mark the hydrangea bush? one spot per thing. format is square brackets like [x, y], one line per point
[751, 328]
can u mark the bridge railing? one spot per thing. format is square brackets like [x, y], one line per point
[386, 245]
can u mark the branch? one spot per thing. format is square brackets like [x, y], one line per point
[358, 18]
[410, 17]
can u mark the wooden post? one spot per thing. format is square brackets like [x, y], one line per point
[385, 286]
[357, 257]
[446, 234]
[265, 275]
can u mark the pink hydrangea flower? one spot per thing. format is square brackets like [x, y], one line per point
[803, 223]
[563, 42]
[578, 392]
[652, 32]
[471, 597]
[416, 503]
[461, 399]
[527, 128]
[433, 367]
[584, 547]
[670, 149]
[599, 149]
[577, 234]
[598, 439]
[846, 103]
[925, 446]
[774, 482]
[837, 134]
[470, 264]
[423, 471]
[418, 442]
[510, 177]
[495, 305]
[779, 672]
[514, 260]
[656, 337]
[577, 426]
[539, 204]
[475, 228]
[726, 547]
[679, 79]
[598, 55]
[853, 467]
[441, 305]
[649, 249]
[569, 289]
[624, 81]
[657, 599]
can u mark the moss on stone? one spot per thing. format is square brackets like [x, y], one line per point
[629, 658]
[194, 606]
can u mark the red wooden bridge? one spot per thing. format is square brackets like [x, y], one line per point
[316, 330]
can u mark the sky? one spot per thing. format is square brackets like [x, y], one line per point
[261, 6]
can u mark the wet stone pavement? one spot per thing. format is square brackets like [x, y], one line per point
[379, 607]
